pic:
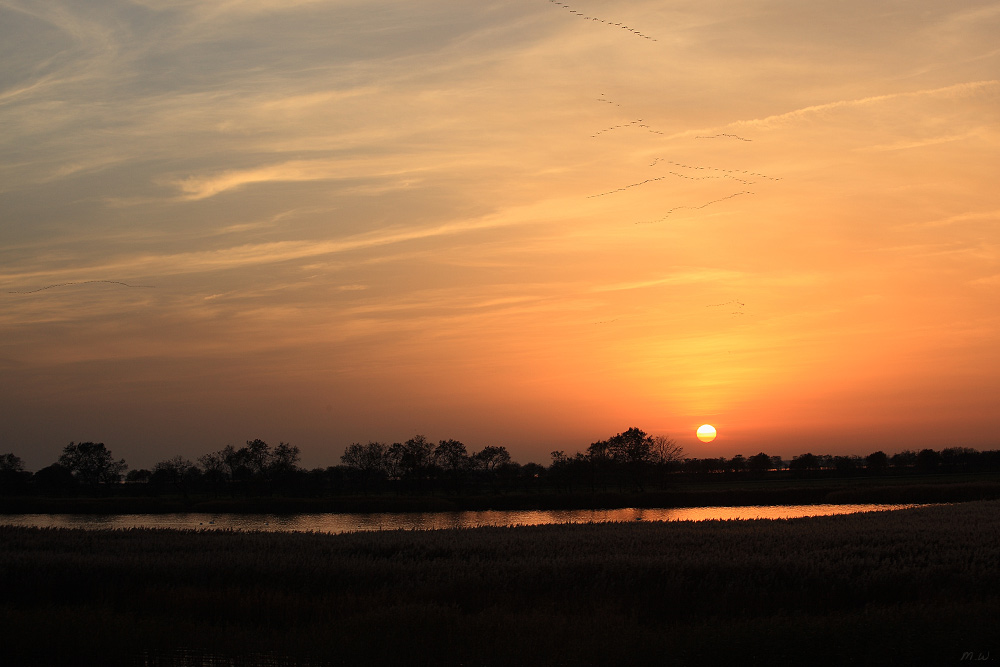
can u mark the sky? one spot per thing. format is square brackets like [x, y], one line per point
[523, 223]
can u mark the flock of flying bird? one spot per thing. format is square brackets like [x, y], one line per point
[736, 303]
[741, 176]
[731, 174]
[78, 282]
[684, 171]
[594, 18]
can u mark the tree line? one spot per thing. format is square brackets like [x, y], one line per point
[630, 461]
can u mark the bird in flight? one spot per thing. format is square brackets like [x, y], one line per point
[78, 282]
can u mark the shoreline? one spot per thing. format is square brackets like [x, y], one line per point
[931, 489]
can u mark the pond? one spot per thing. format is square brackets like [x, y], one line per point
[342, 523]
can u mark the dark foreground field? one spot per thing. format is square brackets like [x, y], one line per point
[910, 587]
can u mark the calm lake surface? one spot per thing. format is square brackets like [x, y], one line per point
[343, 523]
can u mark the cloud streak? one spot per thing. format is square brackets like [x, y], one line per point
[966, 89]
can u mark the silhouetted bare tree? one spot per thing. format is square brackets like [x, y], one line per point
[451, 455]
[491, 458]
[666, 450]
[171, 471]
[412, 461]
[215, 473]
[177, 472]
[369, 463]
[452, 459]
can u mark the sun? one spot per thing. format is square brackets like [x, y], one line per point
[706, 433]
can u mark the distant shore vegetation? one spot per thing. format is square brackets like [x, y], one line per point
[629, 468]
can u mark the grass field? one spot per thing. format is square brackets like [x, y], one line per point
[909, 587]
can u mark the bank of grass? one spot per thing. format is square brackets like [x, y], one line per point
[909, 587]
[774, 490]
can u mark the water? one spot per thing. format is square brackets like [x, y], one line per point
[342, 523]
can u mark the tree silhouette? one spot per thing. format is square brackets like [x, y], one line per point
[177, 472]
[252, 468]
[804, 462]
[451, 455]
[282, 467]
[491, 458]
[666, 450]
[846, 465]
[138, 476]
[877, 462]
[12, 474]
[92, 464]
[958, 458]
[171, 471]
[256, 457]
[759, 463]
[11, 463]
[904, 459]
[928, 460]
[452, 459]
[368, 463]
[418, 456]
[633, 450]
[630, 457]
[55, 479]
[411, 461]
[215, 474]
[284, 459]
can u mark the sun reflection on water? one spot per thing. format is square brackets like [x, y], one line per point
[343, 523]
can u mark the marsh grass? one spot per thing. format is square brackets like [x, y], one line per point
[918, 586]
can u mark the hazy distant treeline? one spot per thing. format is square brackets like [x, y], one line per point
[626, 462]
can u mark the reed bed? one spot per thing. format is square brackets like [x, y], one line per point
[918, 586]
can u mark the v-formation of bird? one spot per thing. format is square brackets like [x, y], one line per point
[742, 176]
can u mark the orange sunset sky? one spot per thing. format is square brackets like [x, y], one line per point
[520, 223]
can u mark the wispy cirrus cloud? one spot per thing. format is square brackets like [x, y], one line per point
[968, 216]
[991, 86]
[678, 278]
[194, 188]
[254, 254]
